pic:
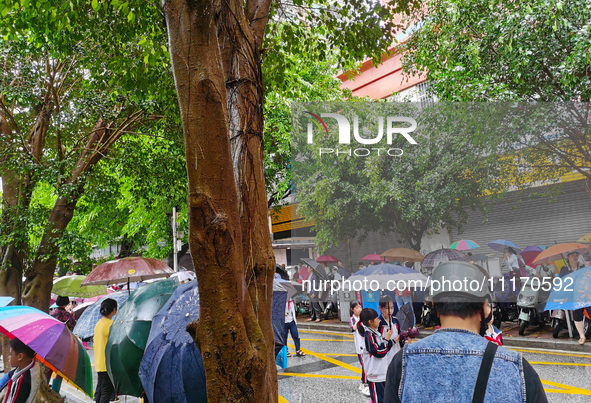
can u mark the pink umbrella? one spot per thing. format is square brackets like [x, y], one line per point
[326, 259]
[374, 257]
[51, 340]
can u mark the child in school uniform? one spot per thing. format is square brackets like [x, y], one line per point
[22, 382]
[377, 344]
[355, 310]
[388, 320]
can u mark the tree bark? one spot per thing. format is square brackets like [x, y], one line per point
[217, 72]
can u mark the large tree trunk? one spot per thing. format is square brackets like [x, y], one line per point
[229, 236]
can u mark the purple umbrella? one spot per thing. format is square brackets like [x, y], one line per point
[502, 244]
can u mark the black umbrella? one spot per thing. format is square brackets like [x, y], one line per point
[405, 317]
[282, 272]
[316, 267]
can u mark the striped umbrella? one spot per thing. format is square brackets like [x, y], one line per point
[54, 344]
[464, 244]
[433, 259]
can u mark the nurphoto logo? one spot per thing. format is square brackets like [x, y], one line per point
[392, 130]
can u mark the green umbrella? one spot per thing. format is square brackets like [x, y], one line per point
[129, 335]
[69, 286]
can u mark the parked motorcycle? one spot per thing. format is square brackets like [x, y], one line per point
[505, 300]
[531, 301]
[559, 323]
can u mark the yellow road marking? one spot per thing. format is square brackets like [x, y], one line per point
[560, 363]
[550, 353]
[282, 399]
[327, 340]
[340, 355]
[331, 360]
[571, 390]
[317, 332]
[318, 375]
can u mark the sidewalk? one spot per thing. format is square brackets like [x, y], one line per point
[511, 338]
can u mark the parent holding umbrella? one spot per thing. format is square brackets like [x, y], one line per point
[104, 386]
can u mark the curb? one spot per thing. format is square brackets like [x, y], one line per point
[509, 341]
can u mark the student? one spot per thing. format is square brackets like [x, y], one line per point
[376, 348]
[104, 387]
[291, 326]
[387, 321]
[355, 310]
[22, 386]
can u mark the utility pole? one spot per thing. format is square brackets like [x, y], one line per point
[174, 241]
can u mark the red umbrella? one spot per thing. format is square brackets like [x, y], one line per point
[374, 257]
[126, 270]
[327, 259]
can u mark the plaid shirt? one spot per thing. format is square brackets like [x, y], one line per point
[64, 316]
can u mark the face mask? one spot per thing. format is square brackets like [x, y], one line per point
[485, 321]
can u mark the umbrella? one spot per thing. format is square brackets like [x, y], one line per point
[559, 251]
[374, 257]
[4, 301]
[310, 262]
[389, 275]
[403, 255]
[502, 244]
[585, 238]
[405, 317]
[326, 259]
[172, 368]
[289, 287]
[571, 296]
[433, 259]
[70, 286]
[54, 344]
[129, 334]
[85, 324]
[184, 276]
[464, 244]
[126, 270]
[278, 315]
[531, 252]
[284, 275]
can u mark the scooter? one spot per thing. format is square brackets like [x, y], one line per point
[530, 302]
[559, 317]
[505, 296]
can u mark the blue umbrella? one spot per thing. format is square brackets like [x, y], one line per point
[501, 244]
[172, 369]
[278, 316]
[571, 296]
[85, 325]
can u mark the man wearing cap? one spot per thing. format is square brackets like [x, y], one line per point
[456, 360]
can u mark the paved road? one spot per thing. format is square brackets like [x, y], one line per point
[330, 372]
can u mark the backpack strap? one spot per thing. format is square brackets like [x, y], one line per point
[484, 373]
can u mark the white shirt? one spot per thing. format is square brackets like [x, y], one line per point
[359, 340]
[290, 315]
